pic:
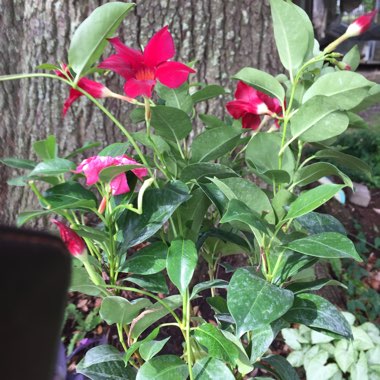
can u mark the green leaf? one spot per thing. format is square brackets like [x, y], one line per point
[107, 174]
[163, 368]
[312, 199]
[351, 162]
[311, 173]
[153, 142]
[150, 349]
[316, 223]
[81, 282]
[262, 339]
[90, 38]
[267, 165]
[105, 363]
[292, 33]
[254, 302]
[46, 149]
[281, 367]
[155, 283]
[345, 88]
[318, 120]
[158, 206]
[115, 309]
[47, 66]
[208, 92]
[201, 170]
[302, 287]
[153, 314]
[86, 146]
[223, 139]
[149, 260]
[262, 81]
[171, 123]
[328, 245]
[200, 287]
[181, 262]
[316, 312]
[91, 233]
[217, 345]
[18, 181]
[176, 97]
[18, 163]
[53, 167]
[114, 150]
[352, 58]
[211, 369]
[211, 121]
[67, 194]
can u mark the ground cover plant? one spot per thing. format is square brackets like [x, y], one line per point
[143, 224]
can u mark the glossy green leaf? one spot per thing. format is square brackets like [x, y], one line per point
[254, 302]
[211, 121]
[208, 92]
[18, 163]
[53, 167]
[150, 349]
[316, 223]
[262, 81]
[158, 206]
[171, 123]
[211, 369]
[265, 164]
[345, 88]
[281, 367]
[214, 143]
[155, 283]
[312, 199]
[328, 245]
[317, 120]
[262, 338]
[181, 262]
[67, 194]
[47, 66]
[154, 314]
[105, 363]
[18, 181]
[292, 33]
[86, 146]
[81, 282]
[114, 150]
[217, 345]
[351, 162]
[91, 233]
[352, 58]
[153, 142]
[311, 173]
[115, 309]
[176, 97]
[149, 260]
[200, 287]
[46, 149]
[107, 174]
[215, 195]
[302, 287]
[200, 170]
[316, 312]
[90, 39]
[163, 368]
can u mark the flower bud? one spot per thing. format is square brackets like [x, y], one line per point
[361, 24]
[74, 243]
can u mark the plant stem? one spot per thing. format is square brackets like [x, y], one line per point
[186, 323]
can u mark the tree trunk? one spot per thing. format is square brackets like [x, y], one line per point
[222, 36]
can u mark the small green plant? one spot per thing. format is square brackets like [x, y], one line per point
[325, 357]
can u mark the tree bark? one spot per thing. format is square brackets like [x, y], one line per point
[222, 36]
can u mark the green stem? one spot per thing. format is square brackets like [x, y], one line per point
[121, 338]
[186, 323]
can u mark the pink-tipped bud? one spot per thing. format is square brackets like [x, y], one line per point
[72, 240]
[361, 24]
[103, 205]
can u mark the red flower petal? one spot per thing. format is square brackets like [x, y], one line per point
[361, 24]
[72, 240]
[95, 89]
[117, 64]
[119, 185]
[160, 48]
[173, 74]
[246, 92]
[238, 108]
[134, 87]
[251, 121]
[73, 96]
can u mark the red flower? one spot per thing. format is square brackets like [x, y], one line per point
[141, 70]
[95, 89]
[92, 166]
[361, 24]
[72, 240]
[250, 104]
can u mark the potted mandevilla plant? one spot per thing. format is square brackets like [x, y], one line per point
[142, 224]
